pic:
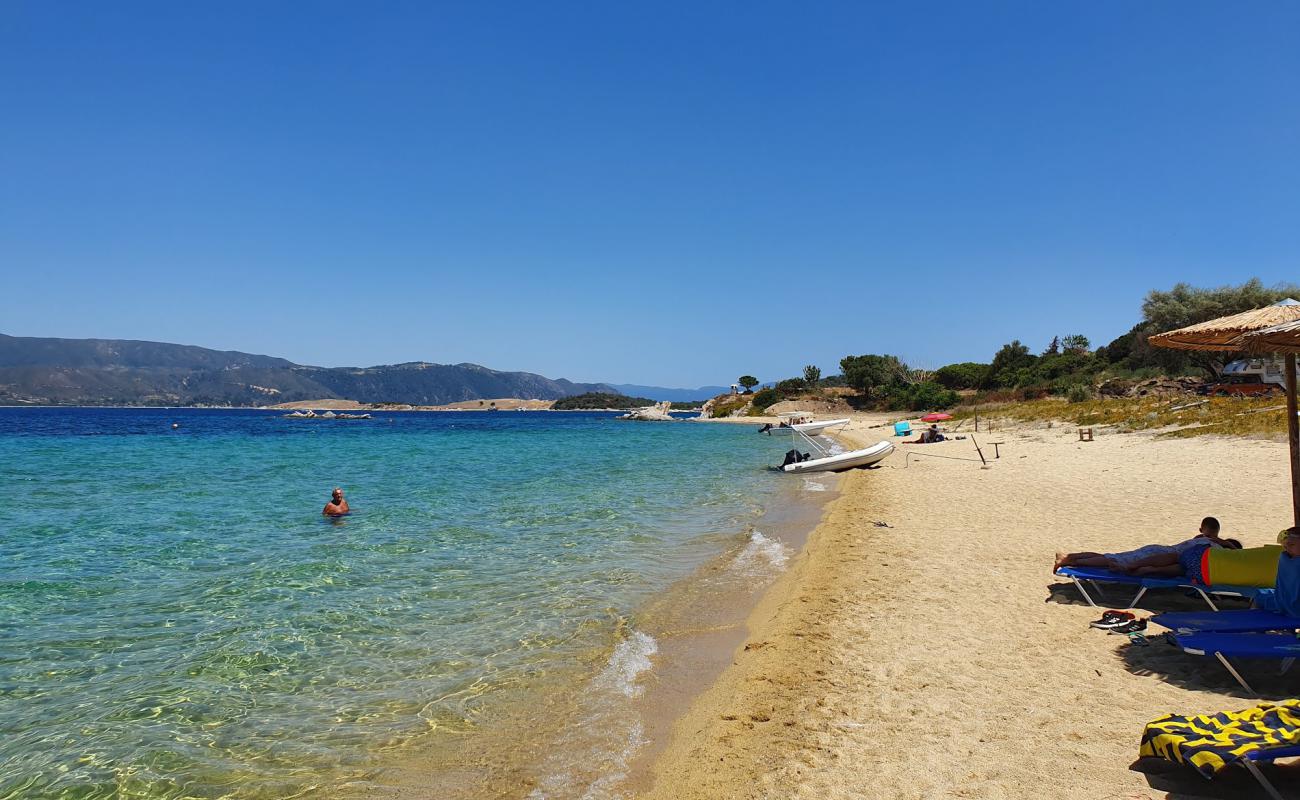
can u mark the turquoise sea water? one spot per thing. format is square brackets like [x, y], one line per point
[177, 619]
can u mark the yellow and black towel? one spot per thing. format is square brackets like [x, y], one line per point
[1212, 742]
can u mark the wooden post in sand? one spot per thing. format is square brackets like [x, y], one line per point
[1293, 438]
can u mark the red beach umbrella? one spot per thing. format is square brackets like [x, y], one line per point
[936, 417]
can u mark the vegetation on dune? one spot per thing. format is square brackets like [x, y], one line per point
[1181, 414]
[1066, 367]
[600, 400]
[727, 407]
[1066, 379]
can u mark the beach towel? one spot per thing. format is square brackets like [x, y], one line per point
[1211, 742]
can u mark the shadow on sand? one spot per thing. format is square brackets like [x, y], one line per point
[1177, 782]
[1161, 660]
[1154, 601]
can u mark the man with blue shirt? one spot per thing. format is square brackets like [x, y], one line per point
[1286, 590]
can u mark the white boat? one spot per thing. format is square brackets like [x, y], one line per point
[807, 428]
[823, 459]
[850, 459]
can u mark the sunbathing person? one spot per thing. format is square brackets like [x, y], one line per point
[1187, 562]
[1149, 555]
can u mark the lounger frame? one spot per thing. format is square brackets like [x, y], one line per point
[1287, 662]
[1144, 584]
[1268, 754]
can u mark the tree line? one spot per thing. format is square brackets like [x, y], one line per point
[1067, 365]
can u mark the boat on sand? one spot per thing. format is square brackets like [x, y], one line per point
[850, 459]
[820, 458]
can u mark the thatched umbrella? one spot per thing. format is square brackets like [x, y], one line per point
[1284, 338]
[1231, 334]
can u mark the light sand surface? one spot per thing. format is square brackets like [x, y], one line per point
[937, 657]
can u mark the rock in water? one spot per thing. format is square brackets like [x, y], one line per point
[655, 413]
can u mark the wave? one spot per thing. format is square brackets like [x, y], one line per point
[762, 555]
[592, 758]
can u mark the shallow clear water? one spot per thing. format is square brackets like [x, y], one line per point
[177, 619]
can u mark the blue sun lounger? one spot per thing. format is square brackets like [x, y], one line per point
[1209, 736]
[1099, 575]
[1268, 755]
[1247, 620]
[1283, 646]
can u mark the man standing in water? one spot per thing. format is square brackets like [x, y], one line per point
[337, 506]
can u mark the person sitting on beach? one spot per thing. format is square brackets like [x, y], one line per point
[337, 506]
[1285, 597]
[928, 436]
[1148, 556]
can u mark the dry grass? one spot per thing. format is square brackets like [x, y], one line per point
[1259, 418]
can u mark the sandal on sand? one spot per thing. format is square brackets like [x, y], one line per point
[1138, 639]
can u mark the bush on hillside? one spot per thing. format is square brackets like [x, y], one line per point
[927, 396]
[727, 407]
[764, 398]
[965, 375]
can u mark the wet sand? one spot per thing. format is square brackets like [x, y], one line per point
[938, 656]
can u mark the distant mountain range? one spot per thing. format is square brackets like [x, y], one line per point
[47, 371]
[675, 395]
[123, 372]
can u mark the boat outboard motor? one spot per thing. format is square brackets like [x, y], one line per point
[794, 457]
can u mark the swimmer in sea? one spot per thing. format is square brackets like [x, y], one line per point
[337, 506]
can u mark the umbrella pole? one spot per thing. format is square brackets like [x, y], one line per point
[1293, 437]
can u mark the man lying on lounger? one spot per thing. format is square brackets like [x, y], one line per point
[1148, 556]
[1184, 562]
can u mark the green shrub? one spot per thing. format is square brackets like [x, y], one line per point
[1078, 393]
[764, 398]
[725, 409]
[927, 396]
[966, 375]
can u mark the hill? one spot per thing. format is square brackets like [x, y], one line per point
[49, 371]
[661, 393]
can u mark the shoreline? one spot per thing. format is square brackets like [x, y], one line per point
[663, 654]
[939, 657]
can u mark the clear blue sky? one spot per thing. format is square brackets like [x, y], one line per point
[668, 193]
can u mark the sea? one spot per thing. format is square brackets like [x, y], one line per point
[178, 620]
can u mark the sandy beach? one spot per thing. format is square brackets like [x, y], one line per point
[919, 646]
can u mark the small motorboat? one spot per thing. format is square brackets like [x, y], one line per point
[808, 427]
[851, 459]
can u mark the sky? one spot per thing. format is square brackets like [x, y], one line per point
[636, 192]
